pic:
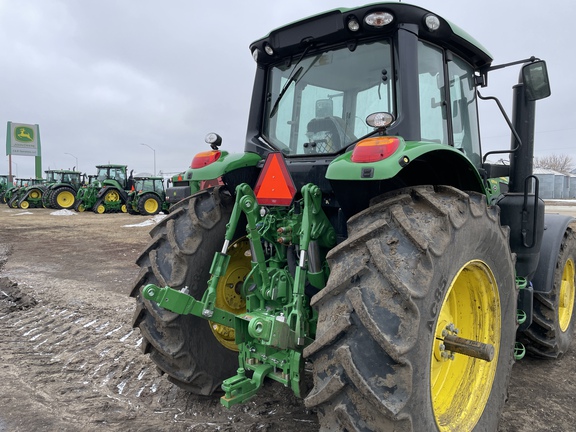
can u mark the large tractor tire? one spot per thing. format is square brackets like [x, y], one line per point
[185, 347]
[130, 209]
[552, 328]
[149, 204]
[63, 198]
[419, 267]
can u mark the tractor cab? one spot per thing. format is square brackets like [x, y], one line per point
[325, 95]
[113, 173]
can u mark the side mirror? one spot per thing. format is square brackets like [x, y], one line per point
[535, 79]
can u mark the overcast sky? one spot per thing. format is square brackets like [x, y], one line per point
[101, 77]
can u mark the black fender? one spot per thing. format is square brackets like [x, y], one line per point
[554, 227]
[122, 192]
[27, 194]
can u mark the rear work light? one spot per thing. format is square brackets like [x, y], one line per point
[205, 158]
[375, 149]
[379, 19]
[275, 186]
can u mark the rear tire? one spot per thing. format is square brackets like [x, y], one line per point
[63, 198]
[552, 328]
[149, 204]
[415, 261]
[180, 255]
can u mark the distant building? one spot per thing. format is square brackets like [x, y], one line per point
[555, 185]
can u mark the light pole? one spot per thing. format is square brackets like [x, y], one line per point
[77, 168]
[154, 156]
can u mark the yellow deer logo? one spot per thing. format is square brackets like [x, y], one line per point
[24, 134]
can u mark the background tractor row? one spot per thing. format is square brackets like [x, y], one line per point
[113, 190]
[57, 190]
[360, 244]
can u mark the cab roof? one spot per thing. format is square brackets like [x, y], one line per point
[331, 27]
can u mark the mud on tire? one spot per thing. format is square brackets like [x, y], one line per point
[180, 255]
[373, 357]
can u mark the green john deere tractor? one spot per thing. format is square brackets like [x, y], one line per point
[26, 193]
[61, 189]
[360, 233]
[4, 186]
[107, 192]
[148, 196]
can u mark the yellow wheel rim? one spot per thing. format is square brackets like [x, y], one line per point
[81, 208]
[35, 194]
[151, 205]
[112, 196]
[460, 385]
[228, 292]
[65, 199]
[24, 204]
[123, 209]
[100, 209]
[566, 300]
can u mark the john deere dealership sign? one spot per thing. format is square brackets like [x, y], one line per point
[22, 140]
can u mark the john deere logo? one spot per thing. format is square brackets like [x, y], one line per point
[24, 134]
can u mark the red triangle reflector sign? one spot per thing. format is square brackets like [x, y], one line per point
[275, 186]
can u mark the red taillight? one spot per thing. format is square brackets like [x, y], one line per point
[375, 149]
[205, 158]
[275, 186]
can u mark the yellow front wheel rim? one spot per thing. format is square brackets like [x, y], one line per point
[24, 204]
[229, 290]
[566, 296]
[460, 385]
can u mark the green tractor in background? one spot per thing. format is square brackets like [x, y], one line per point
[15, 185]
[31, 188]
[107, 192]
[360, 234]
[4, 186]
[148, 196]
[61, 188]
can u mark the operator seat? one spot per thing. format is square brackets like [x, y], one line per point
[323, 135]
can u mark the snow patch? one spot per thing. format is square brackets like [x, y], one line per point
[63, 212]
[20, 214]
[147, 222]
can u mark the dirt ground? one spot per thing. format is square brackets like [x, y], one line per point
[71, 361]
